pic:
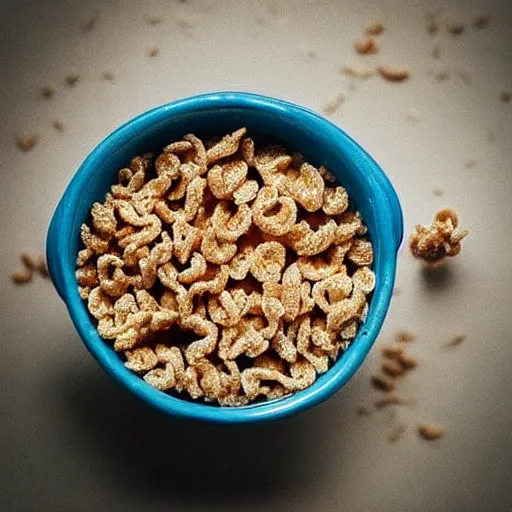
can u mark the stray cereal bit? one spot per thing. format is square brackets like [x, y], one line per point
[407, 361]
[187, 265]
[383, 383]
[22, 276]
[58, 125]
[396, 433]
[455, 28]
[27, 142]
[438, 192]
[506, 96]
[375, 29]
[392, 350]
[392, 367]
[481, 21]
[393, 74]
[430, 432]
[363, 411]
[48, 91]
[405, 336]
[88, 25]
[108, 75]
[153, 52]
[334, 105]
[388, 399]
[435, 242]
[72, 78]
[367, 46]
[31, 264]
[455, 341]
[357, 72]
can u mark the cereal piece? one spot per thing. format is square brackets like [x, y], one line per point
[361, 252]
[184, 237]
[228, 308]
[22, 276]
[269, 260]
[230, 227]
[383, 383]
[84, 256]
[375, 29]
[307, 242]
[93, 241]
[345, 310]
[335, 200]
[407, 361]
[199, 158]
[162, 379]
[246, 192]
[392, 351]
[191, 383]
[114, 283]
[58, 125]
[364, 280]
[153, 51]
[174, 357]
[284, 345]
[72, 78]
[187, 172]
[404, 336]
[247, 149]
[273, 311]
[290, 296]
[432, 27]
[196, 270]
[455, 341]
[48, 91]
[393, 74]
[392, 367]
[430, 432]
[441, 239]
[27, 142]
[395, 433]
[104, 220]
[208, 379]
[481, 21]
[349, 225]
[388, 399]
[200, 348]
[367, 46]
[317, 268]
[349, 331]
[307, 303]
[224, 180]
[140, 359]
[314, 355]
[194, 198]
[84, 292]
[357, 72]
[226, 147]
[215, 251]
[506, 96]
[332, 106]
[274, 214]
[214, 285]
[363, 411]
[455, 28]
[87, 275]
[160, 253]
[99, 304]
[331, 290]
[307, 188]
[241, 263]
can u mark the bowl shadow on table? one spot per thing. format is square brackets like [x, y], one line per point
[190, 461]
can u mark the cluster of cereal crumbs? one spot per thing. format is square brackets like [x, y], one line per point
[441, 239]
[225, 271]
[31, 265]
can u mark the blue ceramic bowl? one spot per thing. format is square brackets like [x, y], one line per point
[212, 114]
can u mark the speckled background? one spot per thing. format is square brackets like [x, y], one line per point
[70, 439]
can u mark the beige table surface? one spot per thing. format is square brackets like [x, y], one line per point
[72, 440]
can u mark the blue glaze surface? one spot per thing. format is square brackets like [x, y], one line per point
[212, 114]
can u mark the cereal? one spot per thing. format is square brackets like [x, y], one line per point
[375, 29]
[405, 336]
[48, 91]
[367, 46]
[393, 74]
[439, 240]
[72, 78]
[407, 361]
[58, 125]
[392, 367]
[357, 72]
[395, 433]
[383, 383]
[455, 28]
[27, 142]
[153, 51]
[243, 251]
[481, 21]
[430, 432]
[456, 341]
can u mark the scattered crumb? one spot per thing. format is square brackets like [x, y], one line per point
[48, 91]
[481, 21]
[375, 29]
[404, 336]
[363, 411]
[388, 399]
[154, 20]
[413, 115]
[367, 47]
[72, 78]
[153, 52]
[393, 74]
[58, 125]
[383, 383]
[436, 51]
[396, 291]
[438, 191]
[392, 350]
[108, 75]
[432, 27]
[392, 367]
[455, 28]
[455, 341]
[357, 72]
[31, 264]
[407, 361]
[334, 105]
[470, 163]
[27, 142]
[88, 25]
[430, 432]
[22, 276]
[395, 433]
[506, 96]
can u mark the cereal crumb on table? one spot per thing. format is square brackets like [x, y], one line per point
[357, 72]
[481, 21]
[506, 96]
[58, 125]
[48, 91]
[395, 433]
[405, 336]
[393, 74]
[441, 239]
[153, 52]
[367, 46]
[438, 192]
[455, 28]
[27, 142]
[89, 24]
[375, 29]
[334, 105]
[72, 78]
[31, 264]
[363, 411]
[456, 341]
[430, 432]
[383, 383]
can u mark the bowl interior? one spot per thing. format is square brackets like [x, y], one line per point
[321, 143]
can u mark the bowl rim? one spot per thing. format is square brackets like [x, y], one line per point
[386, 206]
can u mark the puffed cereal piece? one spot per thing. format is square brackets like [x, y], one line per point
[84, 256]
[187, 172]
[269, 261]
[191, 383]
[167, 164]
[92, 241]
[284, 345]
[307, 188]
[140, 359]
[307, 242]
[162, 379]
[99, 304]
[364, 280]
[162, 319]
[316, 268]
[195, 271]
[349, 331]
[225, 179]
[115, 283]
[87, 275]
[230, 227]
[199, 158]
[160, 253]
[290, 295]
[241, 263]
[247, 150]
[349, 225]
[361, 252]
[268, 201]
[131, 259]
[307, 303]
[314, 355]
[103, 219]
[194, 198]
[335, 200]
[215, 251]
[228, 308]
[214, 285]
[227, 146]
[345, 310]
[184, 238]
[179, 146]
[246, 192]
[204, 346]
[331, 290]
[273, 311]
[172, 356]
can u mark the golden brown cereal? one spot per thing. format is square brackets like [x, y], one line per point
[332, 106]
[430, 432]
[407, 361]
[383, 383]
[375, 29]
[392, 367]
[27, 142]
[357, 72]
[393, 74]
[22, 276]
[405, 336]
[190, 243]
[367, 46]
[392, 350]
[432, 27]
[439, 240]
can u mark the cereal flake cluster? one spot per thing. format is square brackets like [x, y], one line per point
[226, 272]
